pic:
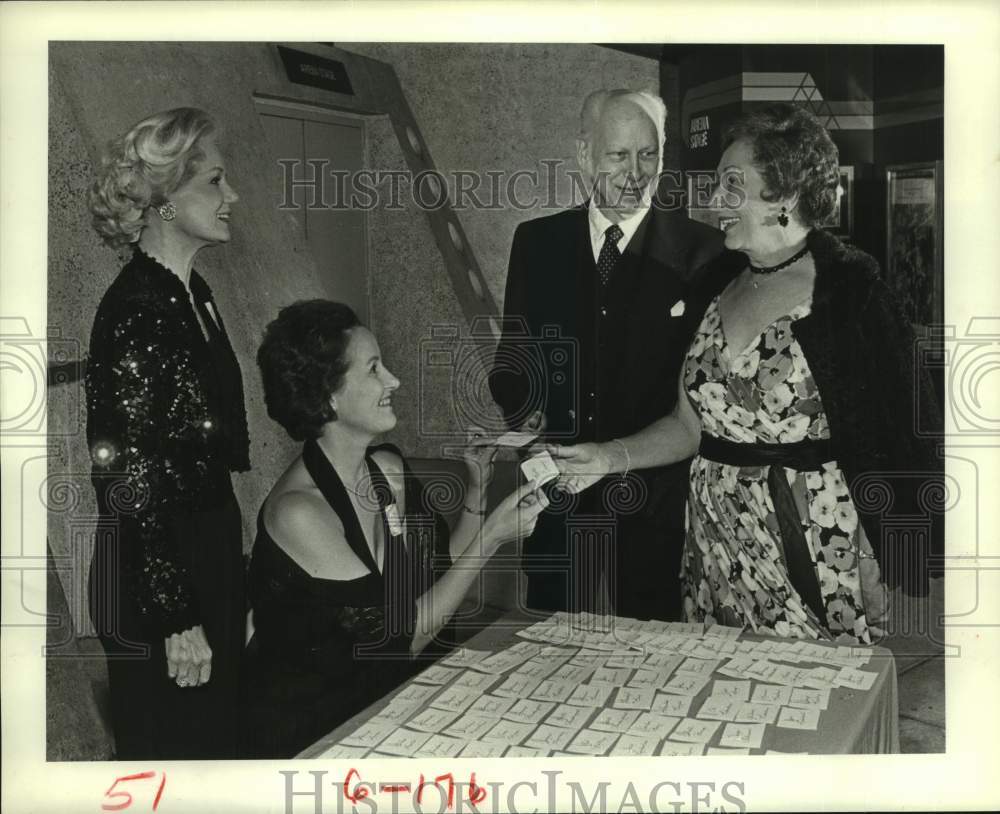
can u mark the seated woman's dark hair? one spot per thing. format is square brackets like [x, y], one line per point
[302, 361]
[794, 153]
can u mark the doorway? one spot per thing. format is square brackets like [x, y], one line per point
[317, 146]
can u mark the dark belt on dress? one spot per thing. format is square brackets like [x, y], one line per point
[801, 456]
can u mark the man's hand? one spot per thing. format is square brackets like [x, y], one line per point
[581, 466]
[189, 658]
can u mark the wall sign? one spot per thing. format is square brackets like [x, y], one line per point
[317, 72]
[698, 132]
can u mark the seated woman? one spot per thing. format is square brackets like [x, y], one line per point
[352, 572]
[797, 394]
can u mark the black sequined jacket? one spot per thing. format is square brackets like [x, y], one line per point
[882, 411]
[166, 424]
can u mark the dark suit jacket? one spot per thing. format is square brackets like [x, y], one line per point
[601, 363]
[632, 355]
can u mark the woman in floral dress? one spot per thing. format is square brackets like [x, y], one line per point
[799, 388]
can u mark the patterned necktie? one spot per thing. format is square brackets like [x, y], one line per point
[609, 255]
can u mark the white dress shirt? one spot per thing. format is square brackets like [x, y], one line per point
[599, 225]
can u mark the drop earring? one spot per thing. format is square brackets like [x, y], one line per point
[783, 217]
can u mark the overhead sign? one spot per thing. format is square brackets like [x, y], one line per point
[318, 72]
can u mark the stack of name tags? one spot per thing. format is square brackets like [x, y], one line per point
[577, 685]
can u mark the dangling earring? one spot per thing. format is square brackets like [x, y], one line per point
[783, 217]
[167, 211]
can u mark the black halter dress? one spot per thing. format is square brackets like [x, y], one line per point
[324, 649]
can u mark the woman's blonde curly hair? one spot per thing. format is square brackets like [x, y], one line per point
[141, 168]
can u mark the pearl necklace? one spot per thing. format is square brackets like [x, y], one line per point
[763, 270]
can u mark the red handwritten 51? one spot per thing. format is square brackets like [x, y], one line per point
[111, 793]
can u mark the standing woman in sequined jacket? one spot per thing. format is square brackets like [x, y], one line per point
[166, 425]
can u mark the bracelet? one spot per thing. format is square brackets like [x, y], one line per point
[479, 512]
[628, 458]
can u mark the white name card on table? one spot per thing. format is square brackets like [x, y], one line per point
[517, 686]
[576, 673]
[505, 660]
[628, 661]
[771, 694]
[479, 682]
[796, 718]
[675, 749]
[613, 676]
[492, 706]
[535, 668]
[403, 743]
[676, 705]
[553, 690]
[438, 674]
[646, 678]
[590, 695]
[433, 720]
[685, 684]
[692, 730]
[464, 657]
[665, 662]
[592, 742]
[589, 658]
[723, 631]
[634, 698]
[750, 712]
[507, 732]
[415, 692]
[737, 690]
[819, 678]
[614, 720]
[855, 679]
[689, 628]
[761, 670]
[398, 713]
[481, 749]
[567, 716]
[717, 708]
[789, 676]
[634, 746]
[440, 746]
[736, 667]
[470, 727]
[709, 652]
[528, 711]
[652, 724]
[550, 737]
[369, 734]
[748, 736]
[809, 699]
[455, 698]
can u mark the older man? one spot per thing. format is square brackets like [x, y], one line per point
[594, 335]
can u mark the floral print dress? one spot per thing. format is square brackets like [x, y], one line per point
[732, 569]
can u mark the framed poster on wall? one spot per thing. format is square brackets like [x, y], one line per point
[915, 239]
